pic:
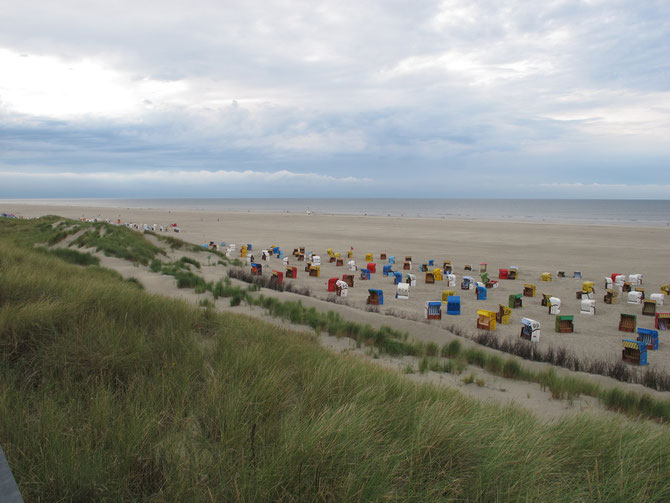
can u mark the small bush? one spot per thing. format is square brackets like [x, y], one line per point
[469, 379]
[451, 349]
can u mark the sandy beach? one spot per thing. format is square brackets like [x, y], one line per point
[595, 251]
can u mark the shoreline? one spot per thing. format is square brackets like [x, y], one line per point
[42, 203]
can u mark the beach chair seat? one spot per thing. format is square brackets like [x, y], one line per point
[407, 265]
[365, 274]
[397, 277]
[658, 297]
[315, 271]
[486, 320]
[368, 257]
[339, 262]
[446, 294]
[291, 272]
[348, 279]
[662, 321]
[341, 288]
[627, 322]
[560, 274]
[634, 352]
[649, 307]
[515, 301]
[482, 267]
[554, 305]
[529, 290]
[530, 330]
[430, 278]
[375, 297]
[411, 279]
[634, 297]
[649, 337]
[382, 256]
[588, 306]
[564, 324]
[546, 276]
[402, 291]
[467, 267]
[611, 297]
[277, 278]
[433, 310]
[504, 314]
[332, 282]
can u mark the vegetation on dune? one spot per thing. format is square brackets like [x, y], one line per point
[109, 393]
[118, 241]
[72, 256]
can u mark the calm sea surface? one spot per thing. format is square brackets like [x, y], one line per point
[647, 213]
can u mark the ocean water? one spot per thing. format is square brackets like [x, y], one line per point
[644, 213]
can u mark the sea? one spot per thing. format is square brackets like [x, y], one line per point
[637, 213]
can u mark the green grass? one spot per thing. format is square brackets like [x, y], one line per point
[118, 241]
[72, 256]
[108, 393]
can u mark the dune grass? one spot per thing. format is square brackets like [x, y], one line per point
[109, 393]
[72, 256]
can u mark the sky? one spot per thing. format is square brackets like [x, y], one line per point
[560, 99]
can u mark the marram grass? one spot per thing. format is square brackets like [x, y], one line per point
[108, 393]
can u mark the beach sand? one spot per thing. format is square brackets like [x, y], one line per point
[596, 251]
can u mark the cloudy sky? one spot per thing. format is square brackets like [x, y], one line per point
[379, 98]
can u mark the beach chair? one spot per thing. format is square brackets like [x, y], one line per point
[545, 299]
[429, 278]
[407, 265]
[332, 283]
[454, 305]
[560, 274]
[627, 322]
[316, 260]
[410, 279]
[627, 287]
[649, 307]
[635, 279]
[348, 279]
[662, 321]
[387, 270]
[451, 280]
[611, 297]
[503, 273]
[515, 300]
[277, 278]
[265, 255]
[619, 280]
[292, 272]
[301, 257]
[365, 274]
[649, 337]
[513, 272]
[529, 290]
[504, 314]
[467, 267]
[330, 252]
[665, 289]
[243, 251]
[339, 262]
[431, 262]
[530, 330]
[480, 292]
[423, 267]
[341, 288]
[392, 260]
[446, 294]
[554, 305]
[492, 283]
[352, 265]
[564, 324]
[437, 273]
[639, 289]
[332, 259]
[588, 306]
[368, 257]
[609, 283]
[256, 269]
[484, 277]
[658, 297]
[315, 271]
[382, 256]
[408, 258]
[375, 297]
[402, 291]
[372, 267]
[634, 352]
[433, 310]
[486, 320]
[482, 267]
[296, 252]
[577, 274]
[397, 277]
[350, 254]
[546, 276]
[467, 283]
[308, 266]
[634, 297]
[447, 268]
